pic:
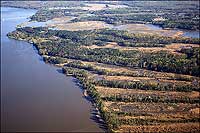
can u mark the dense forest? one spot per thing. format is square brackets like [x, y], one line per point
[67, 44]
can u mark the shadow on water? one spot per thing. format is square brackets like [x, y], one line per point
[94, 112]
[95, 116]
[59, 71]
[41, 59]
[98, 120]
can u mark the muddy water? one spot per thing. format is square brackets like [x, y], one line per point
[35, 96]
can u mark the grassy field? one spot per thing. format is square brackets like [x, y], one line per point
[76, 26]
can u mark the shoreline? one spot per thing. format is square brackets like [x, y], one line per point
[89, 87]
[100, 121]
[82, 76]
[9, 6]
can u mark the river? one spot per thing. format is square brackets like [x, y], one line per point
[34, 95]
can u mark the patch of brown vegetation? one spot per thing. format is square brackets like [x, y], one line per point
[149, 108]
[175, 81]
[171, 48]
[150, 80]
[144, 72]
[106, 91]
[195, 111]
[62, 19]
[163, 116]
[175, 127]
[76, 26]
[178, 46]
[126, 78]
[145, 29]
[95, 7]
[113, 45]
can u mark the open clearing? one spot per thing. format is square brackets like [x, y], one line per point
[146, 29]
[89, 25]
[95, 7]
[172, 48]
[106, 91]
[175, 127]
[62, 19]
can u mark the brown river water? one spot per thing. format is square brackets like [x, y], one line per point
[35, 96]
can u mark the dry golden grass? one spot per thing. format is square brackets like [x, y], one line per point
[113, 45]
[148, 80]
[172, 48]
[195, 111]
[62, 19]
[177, 46]
[163, 116]
[106, 91]
[95, 7]
[175, 81]
[175, 127]
[76, 26]
[126, 78]
[145, 29]
[149, 108]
